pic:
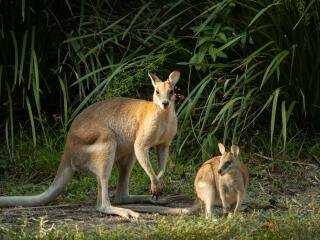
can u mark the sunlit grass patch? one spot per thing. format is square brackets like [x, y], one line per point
[256, 225]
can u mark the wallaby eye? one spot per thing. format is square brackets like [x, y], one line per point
[227, 163]
[157, 92]
[171, 92]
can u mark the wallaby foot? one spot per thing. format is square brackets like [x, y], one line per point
[140, 199]
[211, 216]
[230, 215]
[125, 213]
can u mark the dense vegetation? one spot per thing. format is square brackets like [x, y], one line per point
[250, 75]
[249, 68]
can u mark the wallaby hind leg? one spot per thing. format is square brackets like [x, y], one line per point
[104, 159]
[122, 194]
[206, 193]
[208, 201]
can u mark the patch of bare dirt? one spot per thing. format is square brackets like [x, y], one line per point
[83, 215]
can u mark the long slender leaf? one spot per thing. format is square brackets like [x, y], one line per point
[16, 57]
[33, 129]
[274, 64]
[284, 123]
[273, 114]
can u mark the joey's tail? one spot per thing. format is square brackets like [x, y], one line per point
[63, 175]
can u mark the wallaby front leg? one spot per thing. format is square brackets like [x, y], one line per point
[142, 155]
[225, 205]
[162, 154]
[240, 196]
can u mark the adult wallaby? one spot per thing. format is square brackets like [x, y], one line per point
[118, 130]
[222, 181]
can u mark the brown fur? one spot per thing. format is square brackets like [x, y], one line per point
[225, 190]
[118, 130]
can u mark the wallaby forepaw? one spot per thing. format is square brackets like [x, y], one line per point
[155, 190]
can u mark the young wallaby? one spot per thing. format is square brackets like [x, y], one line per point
[222, 181]
[118, 130]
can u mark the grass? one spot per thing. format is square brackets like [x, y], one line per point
[256, 225]
[282, 201]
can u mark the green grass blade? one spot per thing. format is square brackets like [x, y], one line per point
[35, 83]
[33, 129]
[36, 91]
[65, 103]
[16, 57]
[103, 32]
[31, 72]
[217, 9]
[274, 64]
[290, 109]
[190, 108]
[164, 24]
[10, 142]
[304, 14]
[226, 107]
[284, 124]
[208, 108]
[273, 114]
[303, 102]
[92, 73]
[262, 11]
[135, 19]
[23, 53]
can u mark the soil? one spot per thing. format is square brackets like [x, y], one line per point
[83, 215]
[301, 192]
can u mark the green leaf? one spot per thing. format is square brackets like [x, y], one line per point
[284, 123]
[273, 114]
[274, 64]
[33, 129]
[262, 11]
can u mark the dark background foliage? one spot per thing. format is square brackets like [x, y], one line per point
[249, 68]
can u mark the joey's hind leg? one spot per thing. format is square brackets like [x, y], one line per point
[125, 167]
[101, 161]
[208, 201]
[206, 193]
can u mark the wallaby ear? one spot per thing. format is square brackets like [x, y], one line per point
[174, 77]
[154, 78]
[235, 150]
[222, 149]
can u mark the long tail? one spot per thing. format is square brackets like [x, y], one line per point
[163, 210]
[63, 175]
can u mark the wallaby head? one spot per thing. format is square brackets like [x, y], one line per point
[228, 160]
[163, 94]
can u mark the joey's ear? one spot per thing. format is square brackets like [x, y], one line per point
[222, 149]
[154, 78]
[174, 77]
[235, 150]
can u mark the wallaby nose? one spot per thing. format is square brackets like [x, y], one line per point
[165, 103]
[219, 171]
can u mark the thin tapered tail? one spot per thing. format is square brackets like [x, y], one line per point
[64, 173]
[163, 210]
